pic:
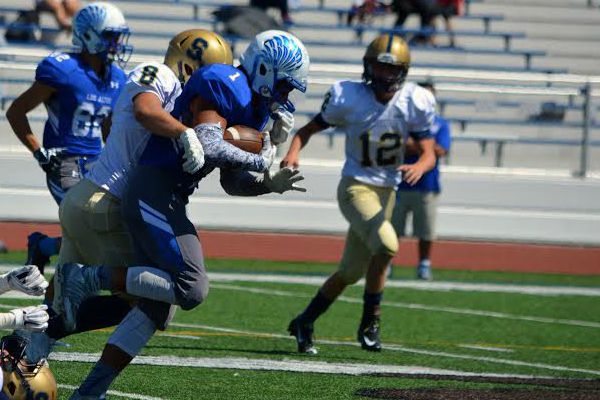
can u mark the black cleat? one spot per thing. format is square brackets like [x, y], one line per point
[368, 335]
[34, 253]
[304, 336]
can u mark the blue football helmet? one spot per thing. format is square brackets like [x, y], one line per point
[100, 28]
[276, 63]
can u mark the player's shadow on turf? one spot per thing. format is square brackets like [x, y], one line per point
[228, 349]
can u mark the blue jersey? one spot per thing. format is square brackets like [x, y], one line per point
[81, 102]
[430, 181]
[227, 88]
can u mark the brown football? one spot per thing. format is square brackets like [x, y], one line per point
[245, 138]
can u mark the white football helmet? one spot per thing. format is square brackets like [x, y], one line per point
[100, 28]
[274, 58]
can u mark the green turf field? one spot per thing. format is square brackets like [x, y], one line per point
[235, 345]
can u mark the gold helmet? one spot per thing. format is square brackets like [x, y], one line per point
[194, 48]
[391, 50]
[23, 381]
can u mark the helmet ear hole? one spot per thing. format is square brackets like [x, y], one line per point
[188, 69]
[263, 69]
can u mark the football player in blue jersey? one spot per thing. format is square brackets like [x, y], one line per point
[79, 91]
[169, 269]
[94, 232]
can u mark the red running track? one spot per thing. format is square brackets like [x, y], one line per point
[447, 254]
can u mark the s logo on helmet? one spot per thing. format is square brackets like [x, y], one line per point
[197, 48]
[283, 53]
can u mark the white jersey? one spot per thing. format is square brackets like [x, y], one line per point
[128, 137]
[376, 133]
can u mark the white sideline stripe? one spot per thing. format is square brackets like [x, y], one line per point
[414, 306]
[488, 348]
[332, 205]
[20, 151]
[322, 367]
[400, 348]
[116, 393]
[416, 285]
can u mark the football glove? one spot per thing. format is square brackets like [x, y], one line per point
[33, 318]
[193, 151]
[283, 125]
[27, 279]
[283, 180]
[268, 151]
[49, 159]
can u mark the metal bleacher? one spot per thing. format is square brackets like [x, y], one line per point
[515, 65]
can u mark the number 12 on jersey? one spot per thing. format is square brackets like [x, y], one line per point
[385, 151]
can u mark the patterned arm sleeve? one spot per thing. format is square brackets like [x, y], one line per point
[242, 183]
[221, 154]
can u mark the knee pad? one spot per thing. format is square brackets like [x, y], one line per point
[150, 283]
[190, 293]
[384, 240]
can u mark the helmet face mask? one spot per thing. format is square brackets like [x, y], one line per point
[195, 48]
[385, 77]
[386, 63]
[276, 63]
[100, 29]
[23, 380]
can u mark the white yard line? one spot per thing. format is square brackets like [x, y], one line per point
[404, 349]
[437, 286]
[305, 365]
[486, 348]
[417, 285]
[414, 306]
[117, 393]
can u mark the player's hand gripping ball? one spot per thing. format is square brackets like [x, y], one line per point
[244, 138]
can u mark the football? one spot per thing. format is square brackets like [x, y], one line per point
[245, 138]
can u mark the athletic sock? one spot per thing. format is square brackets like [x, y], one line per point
[98, 380]
[317, 306]
[371, 306]
[49, 246]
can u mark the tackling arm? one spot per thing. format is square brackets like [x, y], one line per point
[17, 113]
[151, 115]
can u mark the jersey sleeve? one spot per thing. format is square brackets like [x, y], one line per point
[333, 109]
[53, 70]
[421, 113]
[153, 78]
[220, 94]
[443, 138]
